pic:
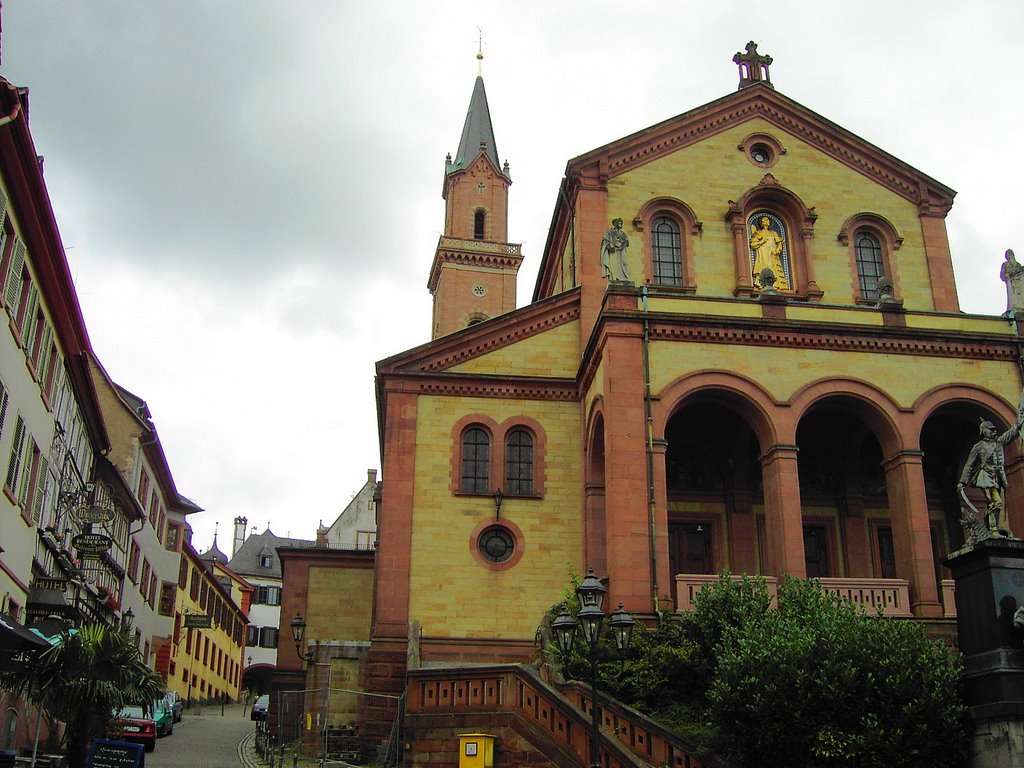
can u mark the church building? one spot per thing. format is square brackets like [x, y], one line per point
[744, 352]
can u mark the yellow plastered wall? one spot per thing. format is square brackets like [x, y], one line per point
[553, 353]
[337, 603]
[707, 175]
[781, 372]
[219, 638]
[453, 594]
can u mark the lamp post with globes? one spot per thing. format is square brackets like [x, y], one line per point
[591, 594]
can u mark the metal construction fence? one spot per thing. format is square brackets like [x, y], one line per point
[330, 724]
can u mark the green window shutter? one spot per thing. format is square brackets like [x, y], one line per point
[26, 472]
[12, 291]
[29, 321]
[4, 399]
[14, 465]
[44, 357]
[41, 483]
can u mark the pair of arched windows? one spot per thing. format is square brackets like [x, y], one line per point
[476, 462]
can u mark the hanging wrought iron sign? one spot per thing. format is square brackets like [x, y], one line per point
[198, 620]
[92, 543]
[94, 513]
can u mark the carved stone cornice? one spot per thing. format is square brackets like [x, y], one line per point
[469, 385]
[478, 253]
[850, 339]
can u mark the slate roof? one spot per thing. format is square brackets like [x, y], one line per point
[247, 559]
[477, 132]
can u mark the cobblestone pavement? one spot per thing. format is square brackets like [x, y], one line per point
[206, 739]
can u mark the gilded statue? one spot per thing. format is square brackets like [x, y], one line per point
[766, 244]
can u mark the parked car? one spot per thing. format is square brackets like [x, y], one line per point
[259, 708]
[163, 716]
[176, 704]
[133, 723]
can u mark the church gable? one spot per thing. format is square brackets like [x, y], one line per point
[781, 113]
[553, 351]
[749, 193]
[471, 345]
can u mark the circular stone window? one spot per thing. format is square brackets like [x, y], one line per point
[760, 154]
[479, 290]
[496, 544]
[762, 149]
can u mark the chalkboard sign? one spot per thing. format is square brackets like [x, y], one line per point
[115, 754]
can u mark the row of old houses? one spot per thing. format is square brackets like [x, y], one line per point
[92, 525]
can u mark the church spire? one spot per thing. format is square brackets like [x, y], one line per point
[473, 277]
[477, 131]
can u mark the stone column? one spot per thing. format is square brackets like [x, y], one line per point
[626, 528]
[908, 505]
[782, 512]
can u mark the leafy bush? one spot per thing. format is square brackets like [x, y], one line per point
[813, 682]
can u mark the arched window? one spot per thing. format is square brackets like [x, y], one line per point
[870, 263]
[669, 228]
[769, 249]
[479, 219]
[872, 242]
[476, 461]
[666, 252]
[519, 463]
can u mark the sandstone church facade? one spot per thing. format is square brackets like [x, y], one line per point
[701, 415]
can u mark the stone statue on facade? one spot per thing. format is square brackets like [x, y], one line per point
[614, 247]
[985, 470]
[1012, 273]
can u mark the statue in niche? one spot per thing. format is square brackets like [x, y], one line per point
[766, 245]
[985, 470]
[614, 246]
[1012, 273]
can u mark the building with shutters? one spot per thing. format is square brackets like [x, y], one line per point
[58, 483]
[254, 557]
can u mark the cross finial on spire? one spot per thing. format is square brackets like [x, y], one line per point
[753, 66]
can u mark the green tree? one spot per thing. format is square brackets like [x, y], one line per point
[83, 680]
[820, 683]
[803, 680]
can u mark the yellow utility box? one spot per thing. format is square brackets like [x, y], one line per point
[476, 750]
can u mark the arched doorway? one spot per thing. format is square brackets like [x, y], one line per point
[713, 488]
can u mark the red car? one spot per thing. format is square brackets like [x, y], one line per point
[133, 723]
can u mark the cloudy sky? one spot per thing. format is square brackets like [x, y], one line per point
[249, 191]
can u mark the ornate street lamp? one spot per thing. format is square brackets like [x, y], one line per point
[127, 619]
[591, 596]
[298, 625]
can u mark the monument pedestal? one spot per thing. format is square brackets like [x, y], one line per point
[989, 589]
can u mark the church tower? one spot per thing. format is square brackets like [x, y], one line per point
[473, 277]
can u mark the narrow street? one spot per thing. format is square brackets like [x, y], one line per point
[206, 739]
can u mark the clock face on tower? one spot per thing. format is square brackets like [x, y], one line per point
[479, 290]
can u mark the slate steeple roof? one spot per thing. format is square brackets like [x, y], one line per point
[477, 132]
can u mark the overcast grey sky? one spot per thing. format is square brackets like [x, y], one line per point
[249, 191]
